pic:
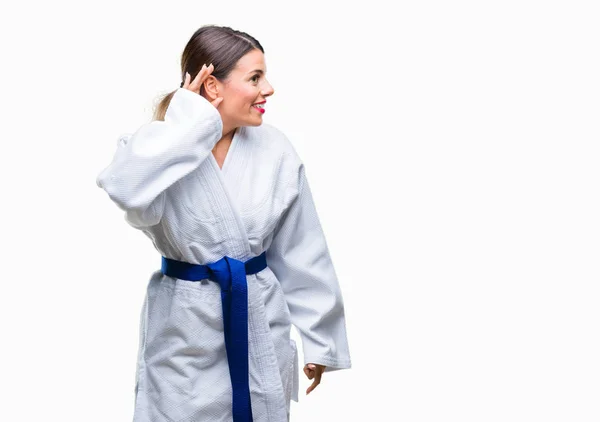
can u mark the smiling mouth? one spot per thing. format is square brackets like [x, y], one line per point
[259, 107]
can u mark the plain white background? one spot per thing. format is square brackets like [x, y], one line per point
[452, 149]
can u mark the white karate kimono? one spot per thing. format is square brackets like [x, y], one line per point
[166, 179]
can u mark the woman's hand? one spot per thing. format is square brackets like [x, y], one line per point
[195, 85]
[313, 370]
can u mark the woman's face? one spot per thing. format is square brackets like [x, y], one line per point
[245, 87]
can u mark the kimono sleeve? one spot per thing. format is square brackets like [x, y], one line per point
[299, 258]
[159, 154]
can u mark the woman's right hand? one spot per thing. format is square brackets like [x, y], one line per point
[195, 85]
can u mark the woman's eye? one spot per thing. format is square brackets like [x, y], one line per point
[255, 77]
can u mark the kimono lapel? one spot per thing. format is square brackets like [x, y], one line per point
[226, 189]
[230, 151]
[261, 350]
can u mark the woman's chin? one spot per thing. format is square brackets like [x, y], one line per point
[256, 122]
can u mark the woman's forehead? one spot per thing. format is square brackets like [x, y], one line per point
[251, 61]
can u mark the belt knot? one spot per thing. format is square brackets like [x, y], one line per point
[221, 272]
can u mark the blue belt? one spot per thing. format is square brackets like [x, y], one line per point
[231, 275]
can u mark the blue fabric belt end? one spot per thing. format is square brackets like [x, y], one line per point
[231, 276]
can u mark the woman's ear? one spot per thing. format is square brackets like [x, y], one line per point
[211, 88]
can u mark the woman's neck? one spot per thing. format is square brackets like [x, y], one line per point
[222, 146]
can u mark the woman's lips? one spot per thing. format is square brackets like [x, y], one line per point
[259, 108]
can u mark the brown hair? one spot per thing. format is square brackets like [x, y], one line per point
[219, 45]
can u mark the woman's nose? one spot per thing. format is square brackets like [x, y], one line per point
[267, 89]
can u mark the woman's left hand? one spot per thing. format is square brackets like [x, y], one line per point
[313, 370]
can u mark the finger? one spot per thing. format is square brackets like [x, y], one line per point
[195, 85]
[186, 81]
[217, 101]
[310, 374]
[312, 387]
[318, 375]
[203, 74]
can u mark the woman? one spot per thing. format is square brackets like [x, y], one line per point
[225, 200]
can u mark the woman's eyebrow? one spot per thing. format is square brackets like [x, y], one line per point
[257, 70]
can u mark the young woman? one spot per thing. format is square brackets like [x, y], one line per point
[226, 202]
